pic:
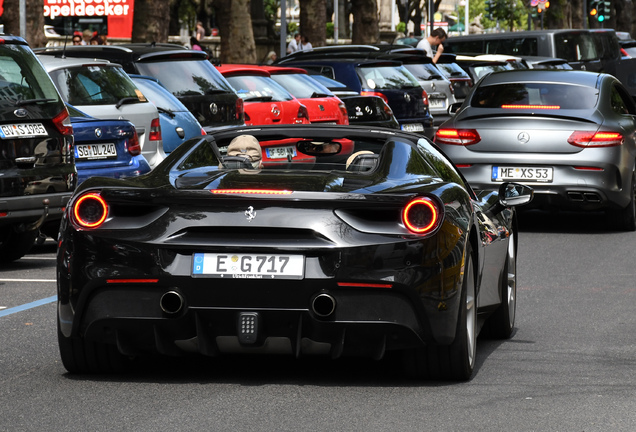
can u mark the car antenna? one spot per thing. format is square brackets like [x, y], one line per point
[64, 48]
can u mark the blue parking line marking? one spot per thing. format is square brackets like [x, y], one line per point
[28, 306]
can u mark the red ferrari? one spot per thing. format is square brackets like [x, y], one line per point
[266, 102]
[323, 106]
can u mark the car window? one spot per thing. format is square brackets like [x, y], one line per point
[196, 77]
[261, 88]
[452, 70]
[621, 102]
[387, 77]
[524, 46]
[424, 71]
[481, 71]
[521, 96]
[22, 77]
[301, 86]
[95, 85]
[153, 93]
[575, 47]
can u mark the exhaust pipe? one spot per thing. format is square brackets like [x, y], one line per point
[171, 302]
[323, 305]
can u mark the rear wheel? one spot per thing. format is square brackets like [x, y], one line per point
[455, 361]
[81, 356]
[14, 245]
[625, 219]
[502, 322]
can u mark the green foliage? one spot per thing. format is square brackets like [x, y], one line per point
[292, 28]
[401, 28]
[330, 30]
[508, 13]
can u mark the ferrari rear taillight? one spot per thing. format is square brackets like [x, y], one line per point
[90, 210]
[62, 123]
[422, 215]
[595, 139]
[374, 93]
[303, 115]
[240, 109]
[462, 137]
[133, 146]
[155, 130]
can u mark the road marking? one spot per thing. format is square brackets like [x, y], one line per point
[28, 280]
[28, 306]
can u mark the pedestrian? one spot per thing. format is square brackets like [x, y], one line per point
[435, 39]
[294, 44]
[271, 58]
[304, 43]
[200, 31]
[195, 45]
[87, 35]
[77, 38]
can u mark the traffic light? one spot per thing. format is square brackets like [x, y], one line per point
[594, 8]
[603, 11]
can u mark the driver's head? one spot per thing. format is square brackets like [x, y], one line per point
[248, 147]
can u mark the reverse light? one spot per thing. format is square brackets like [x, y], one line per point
[373, 93]
[133, 146]
[62, 123]
[422, 215]
[155, 130]
[595, 139]
[462, 137]
[90, 210]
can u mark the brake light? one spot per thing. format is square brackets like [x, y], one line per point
[240, 109]
[155, 130]
[90, 210]
[595, 139]
[251, 191]
[203, 132]
[373, 93]
[303, 115]
[546, 107]
[364, 285]
[425, 98]
[422, 215]
[343, 112]
[457, 136]
[62, 123]
[133, 146]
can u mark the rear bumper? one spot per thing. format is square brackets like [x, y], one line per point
[138, 166]
[27, 209]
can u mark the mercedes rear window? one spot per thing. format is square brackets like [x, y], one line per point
[22, 76]
[187, 77]
[532, 96]
[387, 77]
[95, 85]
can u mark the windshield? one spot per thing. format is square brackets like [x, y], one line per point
[387, 77]
[301, 86]
[424, 71]
[258, 88]
[22, 77]
[159, 96]
[187, 77]
[520, 96]
[95, 85]
[452, 70]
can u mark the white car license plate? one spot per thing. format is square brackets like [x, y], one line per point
[436, 103]
[248, 266]
[280, 152]
[527, 174]
[23, 130]
[95, 151]
[413, 127]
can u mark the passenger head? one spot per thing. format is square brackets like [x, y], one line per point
[246, 146]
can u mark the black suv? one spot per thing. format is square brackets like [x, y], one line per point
[188, 74]
[37, 171]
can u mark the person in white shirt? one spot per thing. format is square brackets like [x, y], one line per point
[304, 43]
[294, 44]
[435, 39]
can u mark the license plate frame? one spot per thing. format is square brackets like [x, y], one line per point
[98, 151]
[280, 152]
[436, 103]
[248, 265]
[412, 127]
[522, 174]
[22, 130]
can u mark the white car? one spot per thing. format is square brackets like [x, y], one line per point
[103, 90]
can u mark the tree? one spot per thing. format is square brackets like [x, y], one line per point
[366, 28]
[235, 28]
[34, 21]
[150, 21]
[313, 21]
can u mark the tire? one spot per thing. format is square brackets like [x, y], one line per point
[454, 362]
[501, 323]
[85, 357]
[625, 219]
[14, 245]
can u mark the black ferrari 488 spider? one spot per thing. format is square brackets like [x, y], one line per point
[304, 240]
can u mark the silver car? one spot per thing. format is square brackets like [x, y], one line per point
[103, 90]
[568, 134]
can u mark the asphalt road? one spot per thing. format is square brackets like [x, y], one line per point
[570, 366]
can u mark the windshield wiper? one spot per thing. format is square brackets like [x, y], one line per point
[166, 111]
[259, 99]
[215, 91]
[126, 100]
[319, 95]
[21, 102]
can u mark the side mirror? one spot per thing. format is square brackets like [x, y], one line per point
[453, 108]
[515, 194]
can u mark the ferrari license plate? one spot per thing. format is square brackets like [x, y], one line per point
[23, 130]
[280, 152]
[528, 174]
[413, 127]
[248, 266]
[95, 151]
